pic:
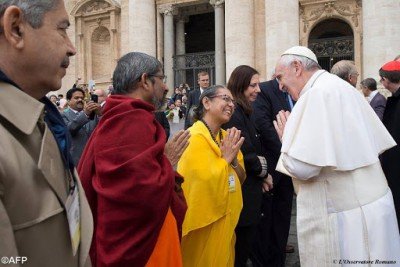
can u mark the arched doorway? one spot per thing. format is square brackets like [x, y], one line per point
[332, 40]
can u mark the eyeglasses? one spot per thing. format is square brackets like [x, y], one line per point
[162, 77]
[226, 98]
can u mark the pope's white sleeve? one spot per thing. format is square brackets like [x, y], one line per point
[299, 169]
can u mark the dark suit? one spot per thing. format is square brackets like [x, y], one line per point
[275, 223]
[378, 103]
[390, 159]
[252, 186]
[80, 127]
[193, 100]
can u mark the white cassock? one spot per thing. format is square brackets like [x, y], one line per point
[330, 146]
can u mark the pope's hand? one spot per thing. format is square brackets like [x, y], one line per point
[280, 122]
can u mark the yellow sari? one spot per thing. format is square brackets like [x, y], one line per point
[214, 198]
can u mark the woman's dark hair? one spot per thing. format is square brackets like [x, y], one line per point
[238, 82]
[198, 112]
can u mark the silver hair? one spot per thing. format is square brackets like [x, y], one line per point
[33, 10]
[344, 68]
[307, 63]
[129, 70]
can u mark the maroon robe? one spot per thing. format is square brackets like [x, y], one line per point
[129, 183]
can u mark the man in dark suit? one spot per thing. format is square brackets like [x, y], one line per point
[81, 120]
[275, 224]
[375, 99]
[203, 79]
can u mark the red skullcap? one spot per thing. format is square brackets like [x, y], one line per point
[391, 66]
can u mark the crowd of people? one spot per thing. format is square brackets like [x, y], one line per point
[99, 180]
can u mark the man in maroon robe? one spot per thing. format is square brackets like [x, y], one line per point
[127, 174]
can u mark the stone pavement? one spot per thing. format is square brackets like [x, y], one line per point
[292, 259]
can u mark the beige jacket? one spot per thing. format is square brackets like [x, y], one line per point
[34, 189]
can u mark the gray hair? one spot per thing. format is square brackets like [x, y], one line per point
[344, 68]
[369, 83]
[307, 63]
[130, 69]
[33, 10]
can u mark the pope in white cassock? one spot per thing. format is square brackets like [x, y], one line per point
[330, 146]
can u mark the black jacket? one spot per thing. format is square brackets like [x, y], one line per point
[251, 148]
[390, 159]
[267, 105]
[193, 100]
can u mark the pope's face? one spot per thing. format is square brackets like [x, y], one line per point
[288, 80]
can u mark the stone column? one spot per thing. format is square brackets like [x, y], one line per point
[125, 39]
[180, 47]
[281, 30]
[114, 41]
[169, 47]
[142, 26]
[239, 34]
[381, 22]
[160, 36]
[81, 51]
[220, 64]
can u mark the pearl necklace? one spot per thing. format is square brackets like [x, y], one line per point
[212, 136]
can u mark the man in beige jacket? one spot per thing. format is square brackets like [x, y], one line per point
[45, 219]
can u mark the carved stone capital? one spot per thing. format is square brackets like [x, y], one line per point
[217, 3]
[168, 10]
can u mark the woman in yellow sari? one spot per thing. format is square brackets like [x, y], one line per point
[212, 166]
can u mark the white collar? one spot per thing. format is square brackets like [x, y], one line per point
[311, 81]
[75, 111]
[372, 95]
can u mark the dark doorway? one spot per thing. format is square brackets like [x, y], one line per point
[200, 33]
[200, 47]
[332, 40]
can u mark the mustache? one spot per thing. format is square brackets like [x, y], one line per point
[65, 62]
